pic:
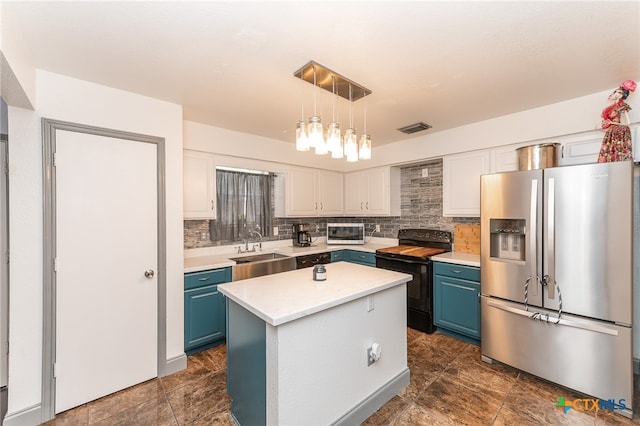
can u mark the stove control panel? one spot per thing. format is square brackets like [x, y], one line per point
[425, 235]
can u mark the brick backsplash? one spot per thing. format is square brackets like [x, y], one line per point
[421, 207]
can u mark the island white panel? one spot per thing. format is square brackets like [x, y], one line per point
[317, 366]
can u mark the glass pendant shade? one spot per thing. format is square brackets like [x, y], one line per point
[302, 143]
[365, 147]
[321, 147]
[351, 146]
[334, 140]
[315, 132]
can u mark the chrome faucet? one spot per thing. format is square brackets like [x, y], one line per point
[251, 232]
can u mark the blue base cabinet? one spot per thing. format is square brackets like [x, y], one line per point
[204, 309]
[456, 301]
[354, 256]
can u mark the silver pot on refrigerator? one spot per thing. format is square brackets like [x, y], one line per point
[540, 156]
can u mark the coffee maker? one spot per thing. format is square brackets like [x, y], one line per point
[301, 235]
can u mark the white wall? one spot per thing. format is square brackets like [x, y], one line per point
[551, 121]
[68, 99]
[16, 64]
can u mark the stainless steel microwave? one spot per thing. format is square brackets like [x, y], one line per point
[345, 233]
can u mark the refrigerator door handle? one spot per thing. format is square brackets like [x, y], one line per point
[533, 255]
[541, 317]
[549, 279]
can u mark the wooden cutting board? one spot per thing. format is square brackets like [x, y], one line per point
[415, 251]
[466, 239]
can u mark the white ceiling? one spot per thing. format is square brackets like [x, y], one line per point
[231, 64]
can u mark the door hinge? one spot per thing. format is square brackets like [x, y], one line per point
[55, 159]
[6, 169]
[55, 369]
[55, 264]
[6, 257]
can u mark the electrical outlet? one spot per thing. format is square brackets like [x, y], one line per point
[275, 231]
[377, 228]
[425, 173]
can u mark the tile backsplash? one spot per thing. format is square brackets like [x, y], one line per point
[421, 207]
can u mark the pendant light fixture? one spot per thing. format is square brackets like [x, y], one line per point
[365, 139]
[350, 138]
[315, 134]
[302, 142]
[334, 136]
[311, 135]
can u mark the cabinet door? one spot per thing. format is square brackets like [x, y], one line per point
[456, 305]
[361, 257]
[355, 193]
[301, 192]
[204, 316]
[338, 255]
[505, 159]
[331, 193]
[581, 150]
[199, 185]
[461, 183]
[377, 186]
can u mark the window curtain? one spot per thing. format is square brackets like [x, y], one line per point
[259, 216]
[229, 195]
[243, 204]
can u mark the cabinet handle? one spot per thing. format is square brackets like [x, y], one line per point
[367, 205]
[321, 206]
[315, 205]
[211, 204]
[456, 271]
[360, 205]
[204, 279]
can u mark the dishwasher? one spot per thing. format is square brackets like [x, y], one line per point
[309, 260]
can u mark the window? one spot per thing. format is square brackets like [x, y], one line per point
[244, 204]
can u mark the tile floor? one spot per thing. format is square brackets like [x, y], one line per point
[450, 385]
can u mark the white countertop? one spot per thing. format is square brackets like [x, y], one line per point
[458, 258]
[219, 257]
[287, 296]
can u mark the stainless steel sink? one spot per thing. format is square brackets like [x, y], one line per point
[258, 257]
[258, 265]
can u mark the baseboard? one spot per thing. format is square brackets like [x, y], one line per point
[173, 365]
[28, 416]
[376, 400]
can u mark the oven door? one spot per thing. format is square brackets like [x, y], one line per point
[419, 289]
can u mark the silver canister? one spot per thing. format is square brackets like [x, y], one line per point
[539, 156]
[319, 273]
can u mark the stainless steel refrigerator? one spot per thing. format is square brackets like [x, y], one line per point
[556, 276]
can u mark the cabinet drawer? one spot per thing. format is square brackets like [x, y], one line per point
[469, 273]
[337, 256]
[362, 257]
[213, 276]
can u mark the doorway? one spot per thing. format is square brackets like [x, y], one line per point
[104, 263]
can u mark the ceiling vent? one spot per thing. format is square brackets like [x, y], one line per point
[414, 128]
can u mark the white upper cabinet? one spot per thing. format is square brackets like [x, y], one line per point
[310, 192]
[373, 192]
[331, 193]
[581, 149]
[504, 159]
[461, 182]
[199, 193]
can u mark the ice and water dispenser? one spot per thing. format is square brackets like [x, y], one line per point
[508, 239]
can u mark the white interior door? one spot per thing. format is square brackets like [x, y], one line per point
[106, 238]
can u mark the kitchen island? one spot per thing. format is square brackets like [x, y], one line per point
[298, 349]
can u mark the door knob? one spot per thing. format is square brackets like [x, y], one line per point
[149, 273]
